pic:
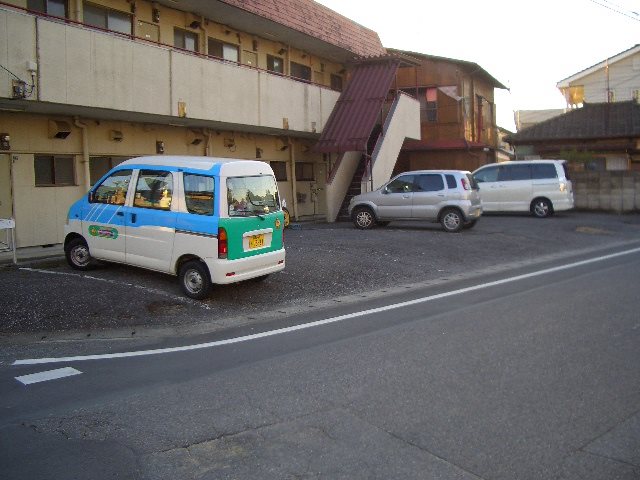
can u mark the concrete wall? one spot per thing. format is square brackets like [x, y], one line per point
[402, 122]
[609, 191]
[84, 67]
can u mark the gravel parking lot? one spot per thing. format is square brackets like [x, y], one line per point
[325, 263]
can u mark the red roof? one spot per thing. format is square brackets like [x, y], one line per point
[358, 108]
[318, 21]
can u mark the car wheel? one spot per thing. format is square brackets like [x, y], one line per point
[470, 224]
[78, 255]
[541, 208]
[363, 218]
[194, 279]
[451, 220]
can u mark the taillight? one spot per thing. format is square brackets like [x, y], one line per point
[465, 184]
[223, 244]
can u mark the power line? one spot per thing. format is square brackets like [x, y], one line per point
[632, 17]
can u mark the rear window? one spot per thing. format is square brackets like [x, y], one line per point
[543, 170]
[472, 182]
[248, 196]
[451, 181]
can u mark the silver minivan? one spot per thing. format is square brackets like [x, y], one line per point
[541, 187]
[446, 196]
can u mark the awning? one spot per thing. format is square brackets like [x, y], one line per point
[358, 108]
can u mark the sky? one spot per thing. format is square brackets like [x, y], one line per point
[528, 46]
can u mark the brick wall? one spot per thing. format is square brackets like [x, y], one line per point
[610, 191]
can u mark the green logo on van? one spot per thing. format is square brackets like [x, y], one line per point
[103, 232]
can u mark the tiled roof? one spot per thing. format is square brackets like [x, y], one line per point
[592, 121]
[318, 21]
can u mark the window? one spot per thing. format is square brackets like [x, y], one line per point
[489, 174]
[304, 172]
[99, 166]
[113, 190]
[401, 184]
[336, 82]
[154, 190]
[429, 183]
[56, 8]
[514, 172]
[185, 40]
[451, 181]
[52, 170]
[198, 194]
[223, 50]
[543, 170]
[247, 196]
[280, 170]
[106, 18]
[301, 72]
[275, 64]
[431, 105]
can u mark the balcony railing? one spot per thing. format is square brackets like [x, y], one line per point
[92, 67]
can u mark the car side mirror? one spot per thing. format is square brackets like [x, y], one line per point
[385, 190]
[90, 197]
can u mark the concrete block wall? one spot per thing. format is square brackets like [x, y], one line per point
[615, 191]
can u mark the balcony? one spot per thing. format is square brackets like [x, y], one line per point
[93, 73]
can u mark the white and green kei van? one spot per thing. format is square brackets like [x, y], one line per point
[206, 220]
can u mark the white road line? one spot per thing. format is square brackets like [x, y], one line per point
[48, 375]
[246, 338]
[195, 303]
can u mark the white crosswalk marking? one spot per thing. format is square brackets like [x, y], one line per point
[48, 375]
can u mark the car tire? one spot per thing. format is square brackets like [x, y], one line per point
[78, 255]
[451, 220]
[194, 279]
[363, 218]
[470, 224]
[541, 208]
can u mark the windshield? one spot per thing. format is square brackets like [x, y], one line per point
[248, 196]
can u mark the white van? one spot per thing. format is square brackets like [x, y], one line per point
[207, 220]
[541, 187]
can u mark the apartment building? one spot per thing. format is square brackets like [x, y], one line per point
[457, 114]
[85, 85]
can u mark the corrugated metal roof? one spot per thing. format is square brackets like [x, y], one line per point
[358, 108]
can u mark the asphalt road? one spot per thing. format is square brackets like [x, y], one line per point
[326, 264]
[531, 373]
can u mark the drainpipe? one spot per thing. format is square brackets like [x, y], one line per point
[207, 147]
[294, 189]
[85, 151]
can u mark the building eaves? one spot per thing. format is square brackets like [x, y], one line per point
[594, 121]
[472, 66]
[565, 82]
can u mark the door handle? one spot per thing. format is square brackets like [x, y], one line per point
[405, 196]
[120, 214]
[133, 218]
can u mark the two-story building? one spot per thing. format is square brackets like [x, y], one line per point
[86, 84]
[457, 114]
[615, 79]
